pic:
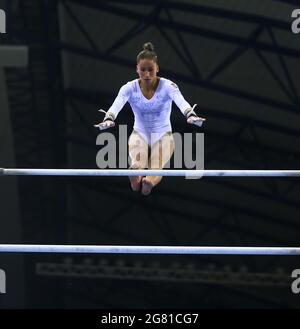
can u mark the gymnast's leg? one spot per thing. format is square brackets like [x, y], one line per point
[138, 153]
[161, 153]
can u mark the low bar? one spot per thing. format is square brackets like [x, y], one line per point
[165, 250]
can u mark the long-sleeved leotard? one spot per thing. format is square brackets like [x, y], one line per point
[151, 116]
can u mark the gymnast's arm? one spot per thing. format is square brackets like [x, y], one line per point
[112, 113]
[184, 106]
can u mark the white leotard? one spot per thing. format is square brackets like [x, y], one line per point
[151, 116]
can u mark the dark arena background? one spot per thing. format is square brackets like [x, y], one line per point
[63, 60]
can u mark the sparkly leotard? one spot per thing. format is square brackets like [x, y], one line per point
[151, 116]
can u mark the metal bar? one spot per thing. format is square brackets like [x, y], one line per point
[110, 249]
[129, 172]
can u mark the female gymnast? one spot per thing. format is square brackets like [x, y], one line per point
[150, 98]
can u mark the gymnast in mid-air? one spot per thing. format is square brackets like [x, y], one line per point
[151, 143]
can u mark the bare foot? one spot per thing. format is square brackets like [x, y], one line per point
[147, 186]
[135, 181]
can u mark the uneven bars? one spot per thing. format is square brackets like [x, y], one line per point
[110, 249]
[134, 172]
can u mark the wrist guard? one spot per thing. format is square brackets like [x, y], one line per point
[108, 116]
[190, 112]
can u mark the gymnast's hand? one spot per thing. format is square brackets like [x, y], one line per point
[195, 120]
[192, 117]
[105, 124]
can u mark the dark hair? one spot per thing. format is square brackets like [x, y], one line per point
[147, 53]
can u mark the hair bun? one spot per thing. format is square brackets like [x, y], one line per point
[148, 46]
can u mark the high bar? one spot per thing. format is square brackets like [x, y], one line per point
[135, 172]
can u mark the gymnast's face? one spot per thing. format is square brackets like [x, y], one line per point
[147, 70]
